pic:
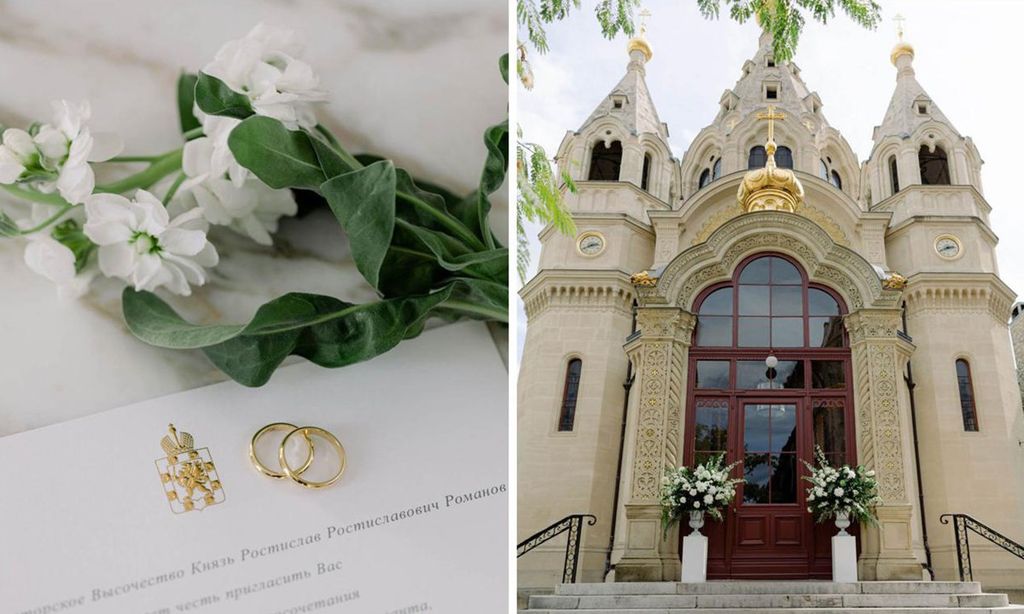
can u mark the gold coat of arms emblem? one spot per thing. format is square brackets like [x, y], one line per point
[188, 474]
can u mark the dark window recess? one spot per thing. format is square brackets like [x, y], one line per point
[716, 170]
[757, 158]
[823, 170]
[646, 177]
[828, 374]
[934, 166]
[567, 417]
[705, 178]
[771, 92]
[894, 175]
[617, 104]
[784, 157]
[605, 162]
[966, 386]
[837, 180]
[770, 445]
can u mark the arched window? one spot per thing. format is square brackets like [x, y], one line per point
[934, 166]
[705, 178]
[605, 162]
[771, 305]
[646, 176]
[784, 157]
[967, 409]
[567, 416]
[757, 158]
[823, 170]
[837, 180]
[894, 175]
[716, 170]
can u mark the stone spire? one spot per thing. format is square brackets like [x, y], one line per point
[630, 101]
[910, 105]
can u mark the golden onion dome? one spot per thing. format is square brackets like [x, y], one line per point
[770, 188]
[901, 48]
[640, 44]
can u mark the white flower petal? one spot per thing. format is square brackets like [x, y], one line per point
[11, 167]
[20, 143]
[105, 146]
[117, 260]
[182, 242]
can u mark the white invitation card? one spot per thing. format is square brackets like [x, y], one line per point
[93, 514]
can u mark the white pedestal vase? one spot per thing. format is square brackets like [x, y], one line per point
[844, 551]
[695, 551]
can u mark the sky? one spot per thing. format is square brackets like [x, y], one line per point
[964, 59]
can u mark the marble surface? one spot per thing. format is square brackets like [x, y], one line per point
[415, 81]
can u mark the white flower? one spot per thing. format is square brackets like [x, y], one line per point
[210, 155]
[58, 156]
[249, 207]
[68, 145]
[838, 492]
[17, 152]
[142, 245]
[46, 256]
[264, 66]
[708, 499]
[696, 504]
[693, 492]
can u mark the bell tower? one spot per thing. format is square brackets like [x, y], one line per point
[574, 377]
[962, 376]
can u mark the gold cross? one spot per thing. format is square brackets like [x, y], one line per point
[771, 116]
[643, 14]
[899, 19]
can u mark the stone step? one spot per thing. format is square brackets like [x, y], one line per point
[762, 602]
[996, 610]
[775, 587]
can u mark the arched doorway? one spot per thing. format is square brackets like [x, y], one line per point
[769, 420]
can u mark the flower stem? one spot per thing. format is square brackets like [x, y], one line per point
[50, 220]
[163, 165]
[174, 188]
[34, 196]
[193, 134]
[133, 159]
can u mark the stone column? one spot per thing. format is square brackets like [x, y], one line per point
[659, 354]
[879, 356]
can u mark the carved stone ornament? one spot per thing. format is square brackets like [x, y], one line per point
[894, 281]
[643, 278]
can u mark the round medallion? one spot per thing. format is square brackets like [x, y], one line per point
[948, 247]
[590, 243]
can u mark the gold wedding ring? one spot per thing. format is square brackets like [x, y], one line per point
[295, 474]
[267, 471]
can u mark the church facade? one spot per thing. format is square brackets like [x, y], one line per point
[873, 285]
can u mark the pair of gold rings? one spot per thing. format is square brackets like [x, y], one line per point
[295, 474]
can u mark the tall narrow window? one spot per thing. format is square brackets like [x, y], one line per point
[894, 175]
[823, 170]
[837, 180]
[567, 417]
[934, 166]
[967, 408]
[757, 158]
[784, 157]
[705, 178]
[645, 178]
[605, 162]
[716, 170]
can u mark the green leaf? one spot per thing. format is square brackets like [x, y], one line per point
[70, 234]
[322, 329]
[215, 97]
[364, 203]
[477, 299]
[330, 162]
[475, 208]
[7, 226]
[186, 97]
[503, 67]
[280, 157]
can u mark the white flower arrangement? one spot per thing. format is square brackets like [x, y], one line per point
[841, 489]
[703, 488]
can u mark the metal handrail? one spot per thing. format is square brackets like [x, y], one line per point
[574, 525]
[963, 522]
